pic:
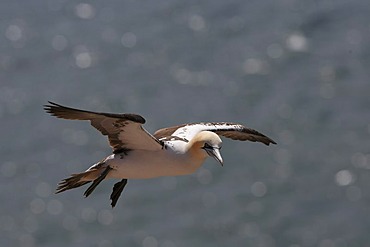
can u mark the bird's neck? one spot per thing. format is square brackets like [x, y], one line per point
[195, 152]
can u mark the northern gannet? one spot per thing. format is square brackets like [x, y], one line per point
[137, 154]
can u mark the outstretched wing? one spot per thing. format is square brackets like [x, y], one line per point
[124, 131]
[229, 130]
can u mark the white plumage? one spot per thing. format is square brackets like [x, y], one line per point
[172, 151]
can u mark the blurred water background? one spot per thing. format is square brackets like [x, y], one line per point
[298, 71]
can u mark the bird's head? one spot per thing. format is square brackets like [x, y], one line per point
[207, 143]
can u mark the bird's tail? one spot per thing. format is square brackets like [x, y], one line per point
[77, 180]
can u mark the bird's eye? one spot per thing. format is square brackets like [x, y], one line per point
[207, 146]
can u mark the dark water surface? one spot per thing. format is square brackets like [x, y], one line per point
[298, 71]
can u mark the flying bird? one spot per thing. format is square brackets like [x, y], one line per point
[173, 151]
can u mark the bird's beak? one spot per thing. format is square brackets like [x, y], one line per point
[215, 153]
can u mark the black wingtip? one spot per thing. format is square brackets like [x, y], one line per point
[51, 104]
[271, 142]
[49, 107]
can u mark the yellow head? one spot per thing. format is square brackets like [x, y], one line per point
[204, 144]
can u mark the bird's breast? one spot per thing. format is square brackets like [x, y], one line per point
[141, 164]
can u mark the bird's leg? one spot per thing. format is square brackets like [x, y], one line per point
[97, 181]
[117, 190]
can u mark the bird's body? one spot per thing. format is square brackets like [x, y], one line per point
[142, 164]
[173, 151]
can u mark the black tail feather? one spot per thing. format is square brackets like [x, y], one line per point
[97, 181]
[72, 182]
[80, 179]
